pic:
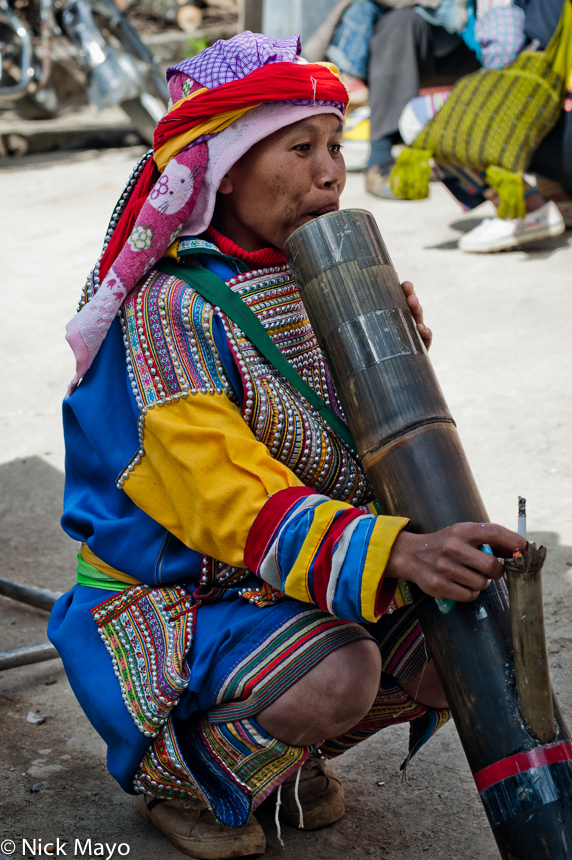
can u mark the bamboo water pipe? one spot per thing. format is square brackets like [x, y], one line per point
[410, 449]
[524, 577]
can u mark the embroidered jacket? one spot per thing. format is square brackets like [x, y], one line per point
[188, 454]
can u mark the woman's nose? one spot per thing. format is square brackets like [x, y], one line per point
[330, 172]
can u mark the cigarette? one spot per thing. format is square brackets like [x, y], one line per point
[521, 517]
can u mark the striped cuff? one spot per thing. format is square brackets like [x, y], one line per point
[323, 552]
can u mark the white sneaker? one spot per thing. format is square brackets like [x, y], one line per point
[496, 234]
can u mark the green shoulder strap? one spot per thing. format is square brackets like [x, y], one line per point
[214, 290]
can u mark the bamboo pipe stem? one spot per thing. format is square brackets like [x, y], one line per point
[524, 576]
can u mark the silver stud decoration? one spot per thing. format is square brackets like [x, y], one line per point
[130, 614]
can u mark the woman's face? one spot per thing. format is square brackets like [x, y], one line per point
[285, 180]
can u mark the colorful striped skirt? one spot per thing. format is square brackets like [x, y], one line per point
[243, 657]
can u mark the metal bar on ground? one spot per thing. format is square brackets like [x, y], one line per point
[27, 654]
[38, 597]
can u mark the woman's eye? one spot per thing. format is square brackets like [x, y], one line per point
[336, 148]
[303, 147]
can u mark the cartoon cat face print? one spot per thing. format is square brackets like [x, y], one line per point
[173, 189]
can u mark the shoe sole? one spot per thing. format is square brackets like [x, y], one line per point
[221, 848]
[509, 242]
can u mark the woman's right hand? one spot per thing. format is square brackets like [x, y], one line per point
[448, 563]
[425, 332]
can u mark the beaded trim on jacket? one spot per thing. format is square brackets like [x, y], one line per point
[171, 353]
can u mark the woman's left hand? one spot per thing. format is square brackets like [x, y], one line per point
[425, 333]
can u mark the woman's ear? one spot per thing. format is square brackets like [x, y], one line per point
[225, 186]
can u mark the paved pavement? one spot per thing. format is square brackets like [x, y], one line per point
[501, 323]
[503, 356]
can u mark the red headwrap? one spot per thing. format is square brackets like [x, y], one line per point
[271, 83]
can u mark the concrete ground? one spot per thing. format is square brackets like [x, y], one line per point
[502, 354]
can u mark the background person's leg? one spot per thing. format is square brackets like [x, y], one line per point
[553, 158]
[400, 49]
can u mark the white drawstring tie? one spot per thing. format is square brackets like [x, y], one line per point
[297, 799]
[277, 816]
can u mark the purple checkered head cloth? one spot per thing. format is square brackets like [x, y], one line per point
[236, 58]
[231, 60]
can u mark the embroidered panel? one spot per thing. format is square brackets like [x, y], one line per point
[261, 595]
[148, 632]
[258, 761]
[231, 766]
[183, 764]
[194, 246]
[170, 347]
[171, 353]
[218, 574]
[278, 415]
[163, 771]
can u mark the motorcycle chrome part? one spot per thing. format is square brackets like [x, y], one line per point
[112, 78]
[26, 72]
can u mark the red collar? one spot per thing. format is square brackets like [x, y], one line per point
[264, 257]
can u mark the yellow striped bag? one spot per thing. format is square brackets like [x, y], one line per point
[493, 121]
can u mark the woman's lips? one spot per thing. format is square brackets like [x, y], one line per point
[329, 207]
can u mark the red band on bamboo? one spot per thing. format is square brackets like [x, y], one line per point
[521, 762]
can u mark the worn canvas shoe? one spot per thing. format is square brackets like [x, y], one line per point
[194, 830]
[320, 794]
[496, 234]
[377, 181]
[565, 209]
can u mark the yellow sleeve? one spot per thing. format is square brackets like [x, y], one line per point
[204, 476]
